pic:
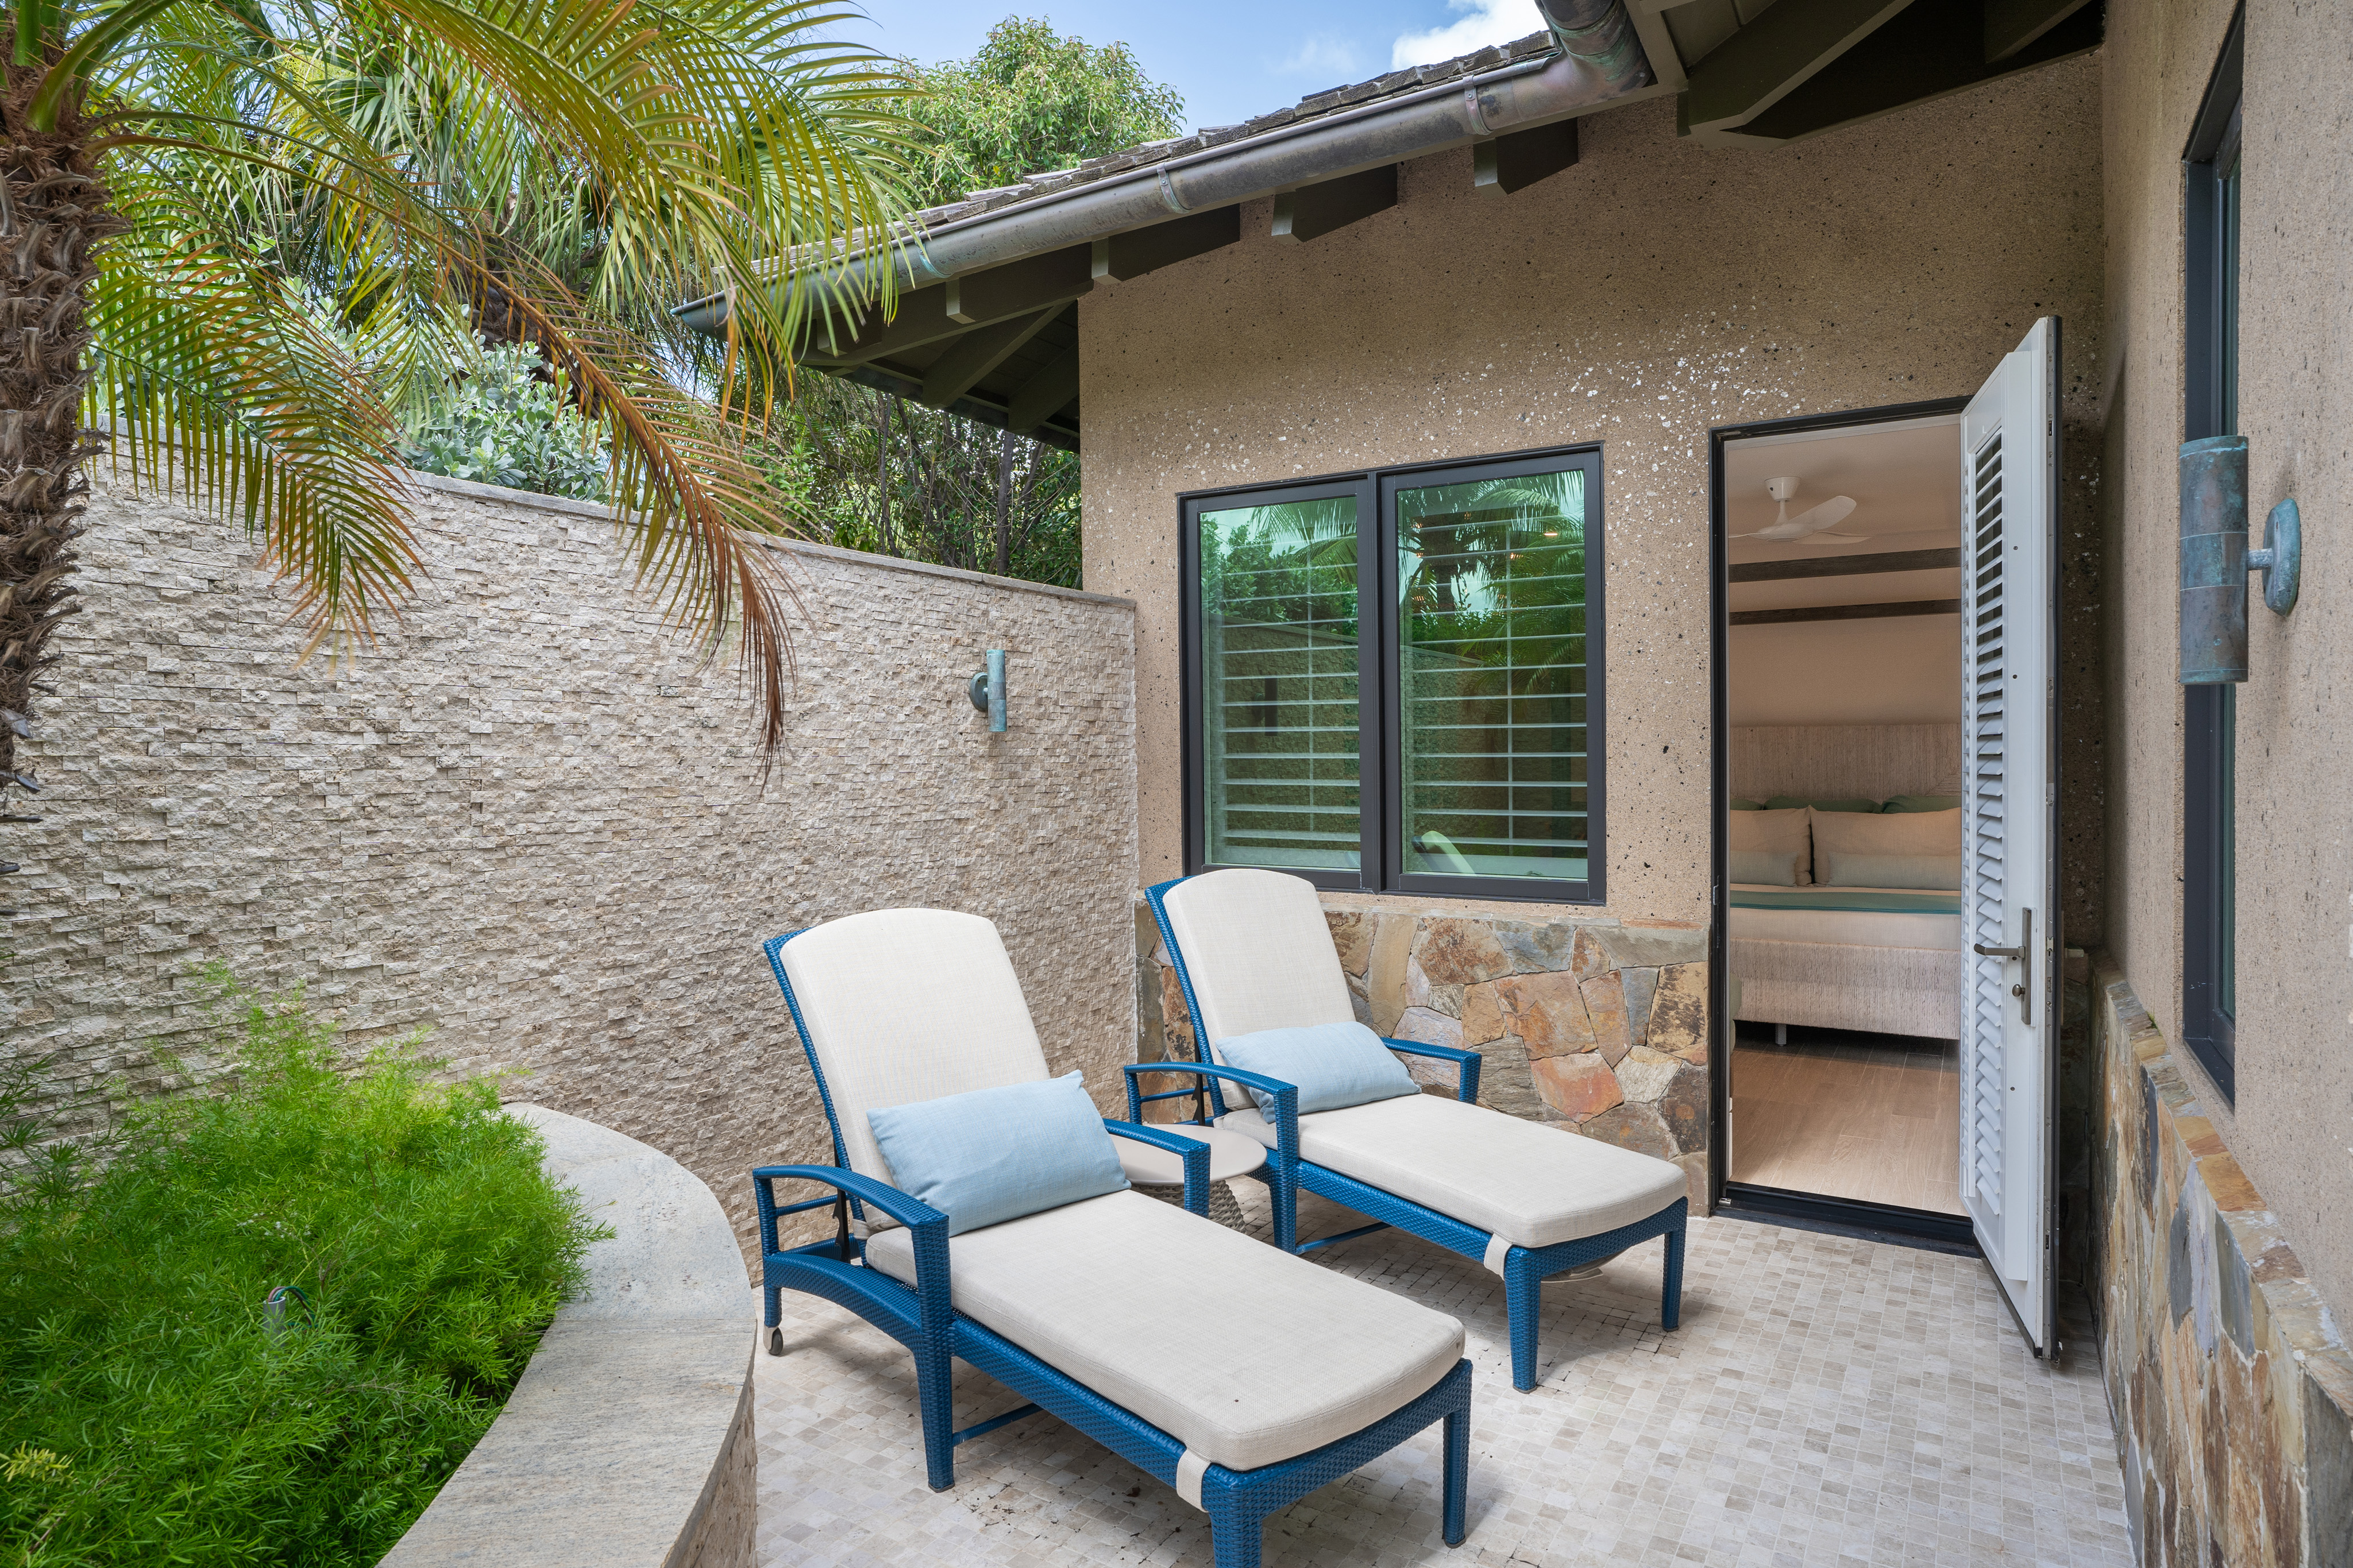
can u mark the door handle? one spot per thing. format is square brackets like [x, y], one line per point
[2024, 953]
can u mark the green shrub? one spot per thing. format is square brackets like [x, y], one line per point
[498, 424]
[152, 1415]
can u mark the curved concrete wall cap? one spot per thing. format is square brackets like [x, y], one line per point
[629, 1440]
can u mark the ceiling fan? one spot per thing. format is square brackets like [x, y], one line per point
[1805, 524]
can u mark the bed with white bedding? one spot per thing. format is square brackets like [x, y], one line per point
[1878, 959]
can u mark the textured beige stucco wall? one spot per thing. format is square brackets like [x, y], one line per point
[529, 821]
[1655, 290]
[2293, 1122]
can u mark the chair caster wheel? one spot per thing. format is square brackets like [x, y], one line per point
[775, 1342]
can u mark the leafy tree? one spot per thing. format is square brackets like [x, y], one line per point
[245, 236]
[501, 424]
[1031, 101]
[889, 475]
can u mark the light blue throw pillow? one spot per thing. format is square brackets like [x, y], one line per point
[995, 1154]
[1334, 1065]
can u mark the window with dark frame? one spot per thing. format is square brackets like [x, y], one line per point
[1393, 678]
[2210, 730]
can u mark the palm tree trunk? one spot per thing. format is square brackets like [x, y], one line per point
[55, 210]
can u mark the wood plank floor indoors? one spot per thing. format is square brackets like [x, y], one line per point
[1874, 1118]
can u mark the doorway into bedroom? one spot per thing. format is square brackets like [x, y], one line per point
[1841, 688]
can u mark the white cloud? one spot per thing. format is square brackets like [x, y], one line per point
[1325, 54]
[1483, 22]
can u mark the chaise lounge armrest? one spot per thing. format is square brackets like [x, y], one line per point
[920, 1218]
[1192, 1151]
[1467, 1064]
[1286, 1095]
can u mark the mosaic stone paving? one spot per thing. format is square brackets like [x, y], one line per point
[1825, 1400]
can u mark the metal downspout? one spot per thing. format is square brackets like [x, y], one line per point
[1602, 60]
[1599, 31]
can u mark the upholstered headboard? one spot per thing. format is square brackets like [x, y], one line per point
[1820, 760]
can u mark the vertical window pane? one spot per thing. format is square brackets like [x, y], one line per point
[1491, 678]
[2226, 859]
[2226, 830]
[1279, 684]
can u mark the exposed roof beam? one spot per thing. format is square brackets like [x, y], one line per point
[948, 310]
[1934, 49]
[921, 317]
[1311, 211]
[1044, 394]
[1142, 250]
[1843, 613]
[2011, 25]
[980, 410]
[997, 292]
[1514, 161]
[1844, 565]
[1922, 51]
[1773, 56]
[960, 367]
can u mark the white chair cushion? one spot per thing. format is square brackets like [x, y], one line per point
[1258, 953]
[1532, 1185]
[1231, 1154]
[1125, 1295]
[904, 1005]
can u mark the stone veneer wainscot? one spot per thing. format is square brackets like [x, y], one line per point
[2231, 1382]
[1599, 1026]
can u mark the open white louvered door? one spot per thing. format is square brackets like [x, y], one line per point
[2009, 1036]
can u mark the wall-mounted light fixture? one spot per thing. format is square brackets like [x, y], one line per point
[987, 690]
[2215, 560]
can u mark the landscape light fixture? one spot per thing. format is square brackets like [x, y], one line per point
[987, 690]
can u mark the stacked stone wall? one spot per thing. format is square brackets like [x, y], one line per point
[1597, 1027]
[533, 821]
[2231, 1382]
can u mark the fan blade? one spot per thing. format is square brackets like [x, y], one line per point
[1842, 536]
[1830, 514]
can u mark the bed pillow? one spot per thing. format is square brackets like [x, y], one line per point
[1933, 872]
[1777, 832]
[1747, 805]
[995, 1154]
[1915, 803]
[1333, 1065]
[1792, 803]
[1770, 867]
[1936, 834]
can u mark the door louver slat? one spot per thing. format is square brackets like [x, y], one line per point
[1986, 799]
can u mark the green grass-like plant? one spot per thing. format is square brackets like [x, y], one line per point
[148, 1411]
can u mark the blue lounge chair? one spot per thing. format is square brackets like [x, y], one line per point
[1096, 1310]
[1253, 952]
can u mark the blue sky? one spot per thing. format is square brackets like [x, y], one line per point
[1230, 59]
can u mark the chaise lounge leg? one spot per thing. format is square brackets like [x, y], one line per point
[1285, 1193]
[1520, 1297]
[1671, 1300]
[1458, 1474]
[1235, 1540]
[934, 1390]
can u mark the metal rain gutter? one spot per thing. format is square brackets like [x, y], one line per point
[1602, 60]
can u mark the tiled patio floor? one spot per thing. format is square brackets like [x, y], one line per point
[1825, 1400]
